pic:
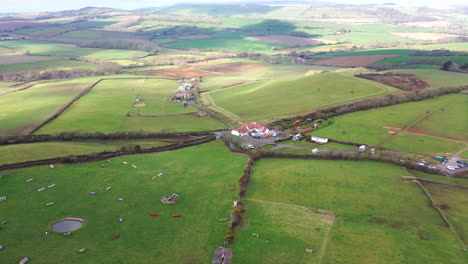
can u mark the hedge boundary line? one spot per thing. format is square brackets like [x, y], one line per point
[104, 155]
[66, 106]
[71, 136]
[441, 213]
[372, 103]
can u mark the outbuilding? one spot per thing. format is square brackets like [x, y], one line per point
[320, 140]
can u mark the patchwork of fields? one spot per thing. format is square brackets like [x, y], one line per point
[83, 82]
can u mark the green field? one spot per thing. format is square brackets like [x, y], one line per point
[230, 44]
[266, 72]
[200, 175]
[103, 109]
[437, 78]
[172, 123]
[423, 144]
[378, 211]
[375, 126]
[457, 205]
[269, 100]
[57, 64]
[48, 150]
[107, 108]
[298, 227]
[24, 110]
[448, 121]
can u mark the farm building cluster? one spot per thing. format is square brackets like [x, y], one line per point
[255, 130]
[184, 93]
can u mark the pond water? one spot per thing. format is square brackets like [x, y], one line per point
[67, 226]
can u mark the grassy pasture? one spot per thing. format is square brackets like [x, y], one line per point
[199, 174]
[47, 150]
[423, 144]
[267, 72]
[374, 210]
[375, 125]
[299, 227]
[103, 109]
[5, 87]
[457, 205]
[437, 78]
[66, 51]
[55, 64]
[22, 111]
[156, 95]
[449, 121]
[237, 44]
[270, 100]
[172, 123]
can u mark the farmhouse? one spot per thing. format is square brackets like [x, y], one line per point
[255, 130]
[320, 140]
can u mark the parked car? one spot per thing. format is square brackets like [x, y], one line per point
[421, 164]
[452, 168]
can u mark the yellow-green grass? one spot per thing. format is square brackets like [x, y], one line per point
[298, 227]
[464, 154]
[457, 205]
[231, 44]
[44, 48]
[47, 150]
[103, 109]
[56, 64]
[270, 100]
[22, 111]
[448, 121]
[267, 72]
[461, 46]
[423, 144]
[5, 87]
[374, 126]
[200, 175]
[438, 78]
[156, 98]
[172, 123]
[52, 49]
[368, 37]
[4, 50]
[380, 217]
[114, 54]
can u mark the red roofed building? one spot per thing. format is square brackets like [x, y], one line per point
[254, 130]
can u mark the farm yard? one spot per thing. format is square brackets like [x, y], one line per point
[275, 133]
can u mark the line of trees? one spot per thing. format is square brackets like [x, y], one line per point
[386, 100]
[77, 135]
[127, 44]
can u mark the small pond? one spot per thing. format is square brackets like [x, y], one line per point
[67, 225]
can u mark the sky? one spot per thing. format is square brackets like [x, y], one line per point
[56, 5]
